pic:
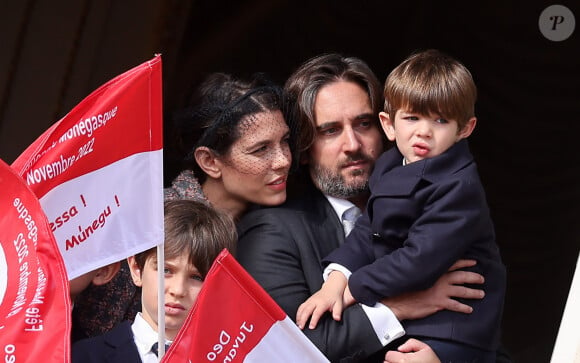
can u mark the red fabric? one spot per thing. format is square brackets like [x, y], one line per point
[228, 301]
[34, 292]
[98, 172]
[231, 316]
[127, 109]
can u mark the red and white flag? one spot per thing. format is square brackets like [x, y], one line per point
[235, 320]
[34, 292]
[98, 172]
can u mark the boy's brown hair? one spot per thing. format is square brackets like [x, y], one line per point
[431, 82]
[195, 229]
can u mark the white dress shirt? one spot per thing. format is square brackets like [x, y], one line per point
[145, 336]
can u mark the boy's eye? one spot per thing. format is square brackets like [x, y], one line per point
[197, 278]
[166, 270]
[441, 121]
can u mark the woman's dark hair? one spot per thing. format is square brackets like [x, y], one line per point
[221, 103]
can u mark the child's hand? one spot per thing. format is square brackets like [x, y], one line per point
[347, 298]
[328, 298]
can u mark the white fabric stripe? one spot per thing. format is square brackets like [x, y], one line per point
[285, 342]
[135, 221]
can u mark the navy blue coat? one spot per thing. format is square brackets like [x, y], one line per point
[420, 219]
[115, 346]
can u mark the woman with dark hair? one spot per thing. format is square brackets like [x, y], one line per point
[236, 145]
[235, 151]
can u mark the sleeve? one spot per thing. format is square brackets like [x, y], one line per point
[335, 267]
[276, 251]
[87, 350]
[451, 222]
[386, 325]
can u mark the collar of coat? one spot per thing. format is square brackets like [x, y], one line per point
[403, 179]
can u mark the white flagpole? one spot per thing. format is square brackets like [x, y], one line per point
[160, 301]
[567, 347]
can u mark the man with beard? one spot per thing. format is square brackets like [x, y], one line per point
[335, 100]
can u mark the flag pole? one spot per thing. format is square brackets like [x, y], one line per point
[160, 300]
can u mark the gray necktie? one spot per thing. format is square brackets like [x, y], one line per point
[349, 218]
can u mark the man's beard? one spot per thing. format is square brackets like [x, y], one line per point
[331, 182]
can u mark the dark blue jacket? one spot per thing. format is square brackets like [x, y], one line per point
[115, 346]
[420, 219]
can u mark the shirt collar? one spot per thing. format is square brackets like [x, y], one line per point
[144, 335]
[339, 205]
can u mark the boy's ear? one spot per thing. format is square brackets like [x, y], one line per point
[467, 129]
[135, 272]
[106, 273]
[388, 125]
[208, 161]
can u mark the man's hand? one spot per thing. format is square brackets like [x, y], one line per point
[328, 298]
[440, 296]
[412, 351]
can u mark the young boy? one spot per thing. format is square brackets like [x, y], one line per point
[427, 209]
[194, 236]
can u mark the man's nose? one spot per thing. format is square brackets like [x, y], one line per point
[351, 140]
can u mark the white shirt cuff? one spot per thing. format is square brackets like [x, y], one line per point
[336, 267]
[384, 322]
